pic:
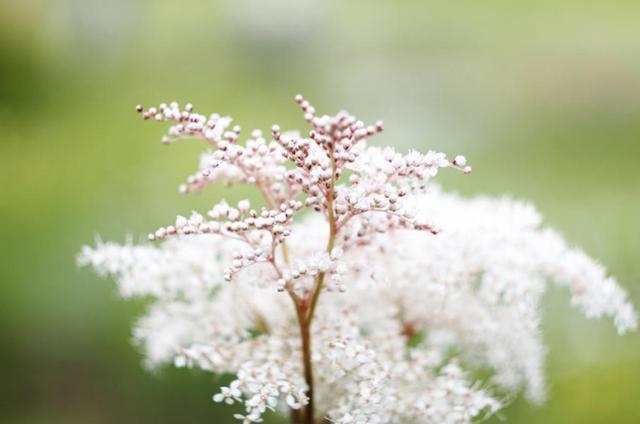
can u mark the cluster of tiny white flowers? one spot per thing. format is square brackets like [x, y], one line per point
[301, 274]
[415, 288]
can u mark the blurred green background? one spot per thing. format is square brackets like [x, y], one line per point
[543, 98]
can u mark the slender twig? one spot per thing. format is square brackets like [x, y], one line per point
[305, 323]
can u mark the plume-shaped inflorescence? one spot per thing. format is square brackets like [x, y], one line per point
[358, 291]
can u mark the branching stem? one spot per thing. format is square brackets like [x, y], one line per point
[308, 309]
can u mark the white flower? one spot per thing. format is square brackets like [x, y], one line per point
[365, 295]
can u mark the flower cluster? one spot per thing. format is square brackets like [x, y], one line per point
[359, 292]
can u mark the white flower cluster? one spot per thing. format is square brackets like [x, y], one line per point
[348, 314]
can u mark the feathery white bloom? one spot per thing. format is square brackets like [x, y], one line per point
[402, 308]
